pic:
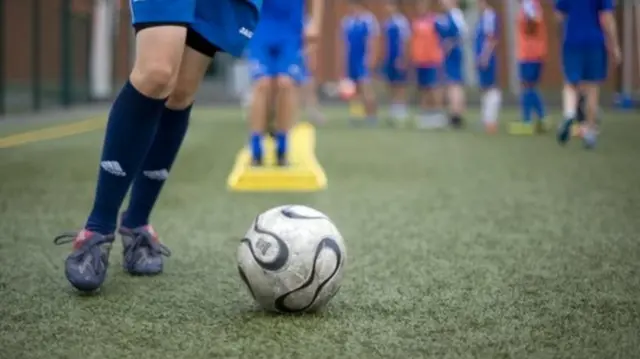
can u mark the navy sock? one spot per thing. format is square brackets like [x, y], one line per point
[538, 104]
[527, 105]
[130, 130]
[256, 146]
[281, 144]
[147, 185]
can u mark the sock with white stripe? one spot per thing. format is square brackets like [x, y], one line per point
[491, 103]
[163, 152]
[130, 130]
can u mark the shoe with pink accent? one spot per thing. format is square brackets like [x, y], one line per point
[142, 250]
[86, 266]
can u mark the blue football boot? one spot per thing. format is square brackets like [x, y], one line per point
[142, 250]
[86, 266]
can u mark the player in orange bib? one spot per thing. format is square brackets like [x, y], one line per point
[532, 51]
[427, 57]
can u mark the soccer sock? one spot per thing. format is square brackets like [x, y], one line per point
[256, 146]
[393, 111]
[403, 111]
[538, 104]
[492, 101]
[527, 105]
[281, 144]
[147, 185]
[484, 107]
[130, 130]
[569, 102]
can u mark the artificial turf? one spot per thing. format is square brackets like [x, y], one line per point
[460, 246]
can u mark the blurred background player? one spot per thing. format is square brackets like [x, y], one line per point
[360, 31]
[589, 31]
[532, 51]
[395, 64]
[486, 63]
[309, 87]
[453, 29]
[275, 55]
[427, 57]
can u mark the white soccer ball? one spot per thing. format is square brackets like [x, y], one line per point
[292, 259]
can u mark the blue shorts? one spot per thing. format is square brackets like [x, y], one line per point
[393, 74]
[584, 64]
[277, 58]
[487, 75]
[227, 24]
[453, 72]
[530, 72]
[357, 73]
[427, 77]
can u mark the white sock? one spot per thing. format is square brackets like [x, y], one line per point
[491, 102]
[569, 102]
[403, 112]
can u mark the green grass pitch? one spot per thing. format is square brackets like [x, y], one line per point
[460, 245]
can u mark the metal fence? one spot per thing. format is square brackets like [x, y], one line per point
[44, 49]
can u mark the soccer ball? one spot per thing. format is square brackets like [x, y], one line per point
[292, 259]
[347, 89]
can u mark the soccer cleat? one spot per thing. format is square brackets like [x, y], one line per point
[491, 128]
[256, 162]
[86, 266]
[456, 121]
[589, 138]
[143, 252]
[564, 131]
[282, 161]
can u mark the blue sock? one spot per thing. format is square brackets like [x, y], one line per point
[538, 104]
[527, 105]
[281, 144]
[130, 130]
[156, 167]
[256, 146]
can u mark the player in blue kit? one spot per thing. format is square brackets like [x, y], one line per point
[275, 53]
[308, 59]
[397, 33]
[175, 42]
[486, 41]
[360, 32]
[453, 28]
[589, 31]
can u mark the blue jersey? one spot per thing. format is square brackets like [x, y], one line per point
[487, 29]
[452, 28]
[397, 32]
[281, 19]
[357, 31]
[582, 26]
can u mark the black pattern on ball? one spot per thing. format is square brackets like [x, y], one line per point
[330, 244]
[283, 250]
[289, 213]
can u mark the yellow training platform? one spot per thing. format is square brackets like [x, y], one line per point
[521, 129]
[304, 173]
[528, 129]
